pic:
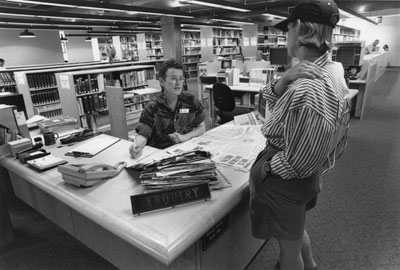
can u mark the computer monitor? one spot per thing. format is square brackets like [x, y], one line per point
[279, 56]
[226, 63]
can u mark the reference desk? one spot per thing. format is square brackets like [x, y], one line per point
[213, 234]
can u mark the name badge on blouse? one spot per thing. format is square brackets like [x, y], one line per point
[183, 110]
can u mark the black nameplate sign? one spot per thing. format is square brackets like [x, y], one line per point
[169, 198]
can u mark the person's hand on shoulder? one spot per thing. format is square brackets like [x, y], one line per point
[304, 69]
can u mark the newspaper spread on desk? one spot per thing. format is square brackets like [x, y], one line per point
[233, 146]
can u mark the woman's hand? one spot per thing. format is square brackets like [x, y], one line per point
[177, 137]
[305, 69]
[136, 148]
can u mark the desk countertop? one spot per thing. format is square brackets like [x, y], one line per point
[165, 234]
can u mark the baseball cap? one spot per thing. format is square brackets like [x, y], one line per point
[318, 11]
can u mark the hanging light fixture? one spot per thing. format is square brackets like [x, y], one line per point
[88, 39]
[27, 34]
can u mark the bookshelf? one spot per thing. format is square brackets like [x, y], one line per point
[34, 95]
[83, 93]
[103, 43]
[154, 47]
[227, 42]
[191, 52]
[344, 34]
[129, 48]
[7, 82]
[125, 107]
[268, 37]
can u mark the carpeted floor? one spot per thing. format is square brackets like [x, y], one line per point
[355, 225]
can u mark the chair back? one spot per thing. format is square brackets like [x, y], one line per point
[223, 97]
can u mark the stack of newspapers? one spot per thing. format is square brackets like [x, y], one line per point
[190, 168]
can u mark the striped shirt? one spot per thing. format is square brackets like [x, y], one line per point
[303, 120]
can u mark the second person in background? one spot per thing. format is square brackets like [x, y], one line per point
[173, 117]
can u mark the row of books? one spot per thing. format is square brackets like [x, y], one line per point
[225, 42]
[153, 37]
[45, 96]
[191, 35]
[9, 88]
[85, 86]
[226, 33]
[271, 31]
[228, 50]
[191, 43]
[189, 51]
[41, 80]
[7, 78]
[42, 110]
[92, 104]
[52, 114]
[130, 99]
[194, 60]
[136, 78]
[134, 108]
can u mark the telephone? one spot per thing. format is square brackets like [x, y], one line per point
[89, 174]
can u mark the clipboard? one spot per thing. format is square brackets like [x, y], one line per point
[93, 146]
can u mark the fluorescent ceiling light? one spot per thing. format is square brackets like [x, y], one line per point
[108, 7]
[27, 34]
[355, 15]
[92, 19]
[43, 3]
[275, 16]
[220, 4]
[231, 21]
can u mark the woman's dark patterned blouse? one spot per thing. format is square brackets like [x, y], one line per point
[158, 120]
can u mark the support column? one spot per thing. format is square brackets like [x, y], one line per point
[250, 33]
[171, 38]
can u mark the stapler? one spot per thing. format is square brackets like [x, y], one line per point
[33, 152]
[89, 174]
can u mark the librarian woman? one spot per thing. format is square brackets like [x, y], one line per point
[173, 117]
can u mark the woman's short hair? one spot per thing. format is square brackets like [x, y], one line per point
[315, 35]
[167, 65]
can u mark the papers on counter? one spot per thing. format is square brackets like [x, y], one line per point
[232, 146]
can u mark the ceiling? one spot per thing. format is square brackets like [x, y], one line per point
[103, 15]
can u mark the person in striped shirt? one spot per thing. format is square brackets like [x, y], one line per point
[305, 105]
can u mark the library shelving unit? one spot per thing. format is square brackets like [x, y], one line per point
[191, 52]
[129, 48]
[40, 90]
[154, 46]
[268, 37]
[343, 34]
[126, 106]
[7, 82]
[83, 93]
[103, 43]
[227, 42]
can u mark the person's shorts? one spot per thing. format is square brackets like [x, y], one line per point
[277, 205]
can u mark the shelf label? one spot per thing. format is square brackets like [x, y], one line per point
[64, 81]
[246, 41]
[253, 41]
[19, 78]
[209, 42]
[203, 42]
[214, 233]
[169, 198]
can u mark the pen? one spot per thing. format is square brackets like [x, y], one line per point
[80, 154]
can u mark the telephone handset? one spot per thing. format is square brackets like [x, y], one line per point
[89, 174]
